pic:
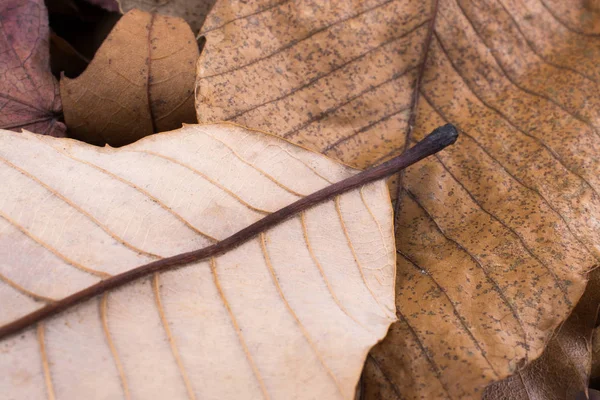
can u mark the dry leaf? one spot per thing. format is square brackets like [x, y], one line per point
[496, 234]
[29, 96]
[563, 370]
[192, 11]
[140, 82]
[301, 302]
[314, 71]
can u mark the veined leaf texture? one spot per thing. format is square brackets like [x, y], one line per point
[289, 314]
[495, 235]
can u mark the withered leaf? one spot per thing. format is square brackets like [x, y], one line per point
[495, 235]
[139, 82]
[29, 95]
[192, 11]
[563, 370]
[300, 302]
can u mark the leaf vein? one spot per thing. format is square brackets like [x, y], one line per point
[307, 337]
[79, 209]
[173, 345]
[336, 107]
[454, 311]
[322, 272]
[294, 42]
[113, 350]
[45, 363]
[513, 125]
[52, 250]
[328, 73]
[26, 292]
[238, 331]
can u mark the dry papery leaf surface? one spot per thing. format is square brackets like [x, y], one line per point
[494, 235]
[192, 11]
[563, 370]
[29, 95]
[301, 302]
[140, 82]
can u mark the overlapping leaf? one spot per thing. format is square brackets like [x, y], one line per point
[495, 235]
[301, 302]
[563, 370]
[29, 95]
[140, 82]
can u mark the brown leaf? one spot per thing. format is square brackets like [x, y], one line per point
[301, 301]
[140, 82]
[29, 96]
[563, 370]
[192, 11]
[495, 235]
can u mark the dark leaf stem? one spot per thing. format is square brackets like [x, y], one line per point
[434, 142]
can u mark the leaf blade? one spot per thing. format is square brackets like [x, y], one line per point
[505, 208]
[29, 95]
[253, 289]
[138, 83]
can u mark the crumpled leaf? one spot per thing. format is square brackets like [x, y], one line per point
[140, 82]
[29, 96]
[192, 11]
[495, 235]
[301, 302]
[563, 370]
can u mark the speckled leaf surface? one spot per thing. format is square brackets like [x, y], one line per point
[301, 302]
[564, 369]
[495, 235]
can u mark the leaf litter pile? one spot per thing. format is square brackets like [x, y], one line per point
[183, 212]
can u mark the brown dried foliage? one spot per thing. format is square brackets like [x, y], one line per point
[140, 82]
[563, 370]
[495, 235]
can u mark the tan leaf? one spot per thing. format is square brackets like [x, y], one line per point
[563, 370]
[140, 82]
[291, 313]
[496, 234]
[192, 11]
[29, 97]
